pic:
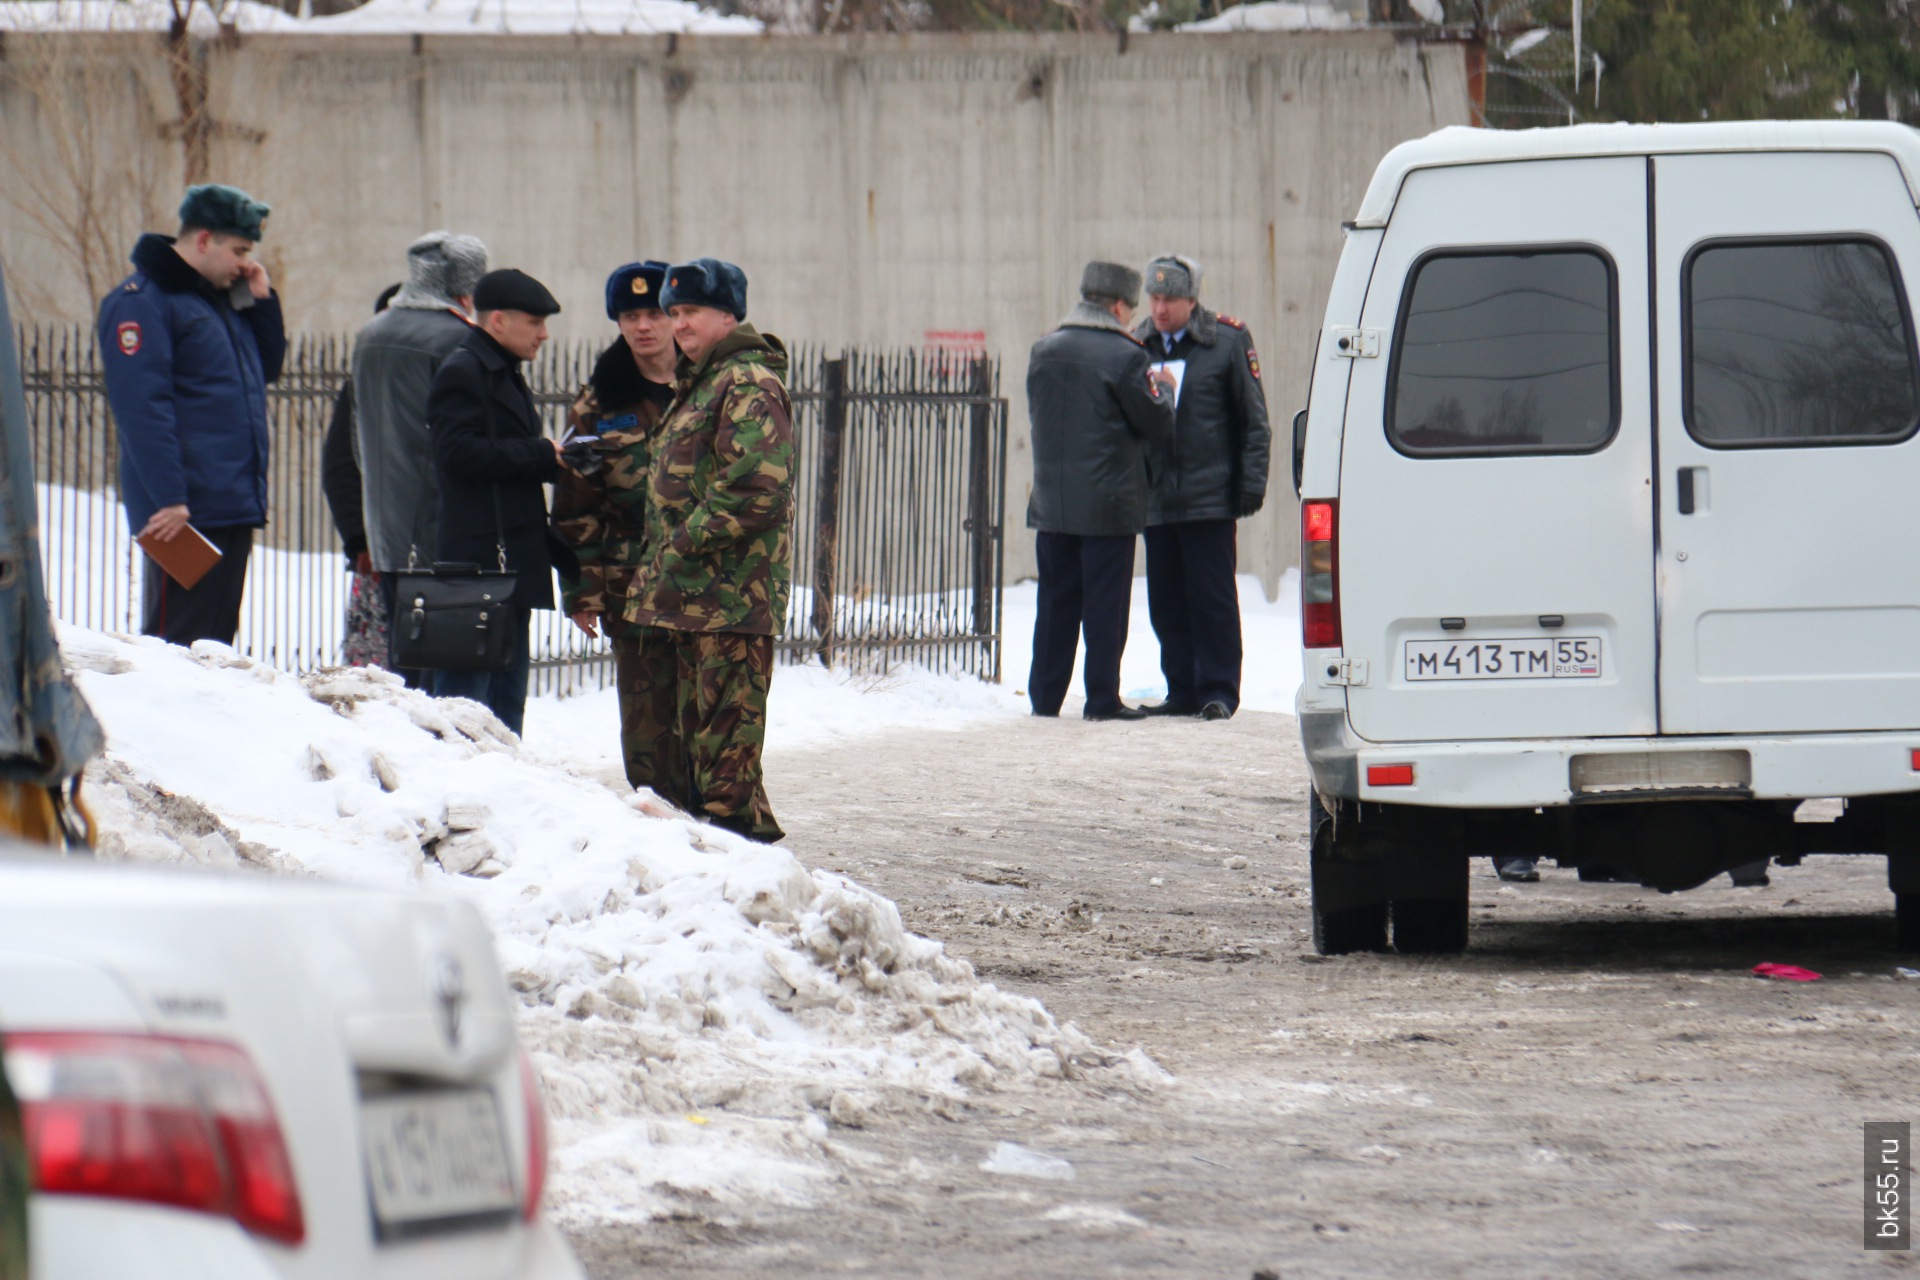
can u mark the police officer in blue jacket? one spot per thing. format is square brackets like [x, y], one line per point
[190, 341]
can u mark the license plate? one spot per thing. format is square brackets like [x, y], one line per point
[436, 1160]
[1558, 658]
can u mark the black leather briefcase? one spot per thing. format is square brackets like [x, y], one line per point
[457, 617]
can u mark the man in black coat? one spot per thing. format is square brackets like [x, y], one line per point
[1095, 407]
[1209, 473]
[490, 458]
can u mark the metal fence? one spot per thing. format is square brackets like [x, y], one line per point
[900, 498]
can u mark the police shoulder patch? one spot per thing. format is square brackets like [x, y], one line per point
[1253, 362]
[127, 334]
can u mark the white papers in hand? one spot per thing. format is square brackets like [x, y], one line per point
[1178, 369]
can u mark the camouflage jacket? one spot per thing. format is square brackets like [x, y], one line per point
[603, 515]
[719, 550]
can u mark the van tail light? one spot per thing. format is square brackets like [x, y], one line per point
[1389, 775]
[186, 1123]
[1319, 575]
[536, 1103]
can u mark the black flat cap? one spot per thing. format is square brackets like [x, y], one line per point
[510, 290]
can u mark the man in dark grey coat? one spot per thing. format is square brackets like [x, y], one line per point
[394, 359]
[1095, 407]
[1209, 473]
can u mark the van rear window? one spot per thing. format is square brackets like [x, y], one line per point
[1506, 353]
[1798, 343]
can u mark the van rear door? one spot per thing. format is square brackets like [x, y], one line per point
[1789, 468]
[1495, 526]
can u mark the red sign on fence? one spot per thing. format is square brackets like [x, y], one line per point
[950, 350]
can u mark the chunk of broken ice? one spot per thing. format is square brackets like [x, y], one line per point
[1023, 1162]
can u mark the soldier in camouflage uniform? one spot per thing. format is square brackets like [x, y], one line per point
[599, 509]
[718, 547]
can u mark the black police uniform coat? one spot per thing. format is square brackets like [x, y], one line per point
[1094, 410]
[1214, 465]
[486, 440]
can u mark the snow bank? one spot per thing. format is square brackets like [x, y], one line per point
[686, 993]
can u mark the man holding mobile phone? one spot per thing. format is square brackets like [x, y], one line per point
[189, 343]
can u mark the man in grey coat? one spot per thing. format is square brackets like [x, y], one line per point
[1095, 408]
[394, 360]
[1211, 472]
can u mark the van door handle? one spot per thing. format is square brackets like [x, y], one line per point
[1687, 492]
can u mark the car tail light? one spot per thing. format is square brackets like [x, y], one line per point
[1916, 760]
[1389, 775]
[1319, 575]
[536, 1104]
[152, 1118]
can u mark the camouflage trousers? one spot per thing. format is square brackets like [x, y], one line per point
[693, 721]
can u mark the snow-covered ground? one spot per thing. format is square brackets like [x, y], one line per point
[701, 1007]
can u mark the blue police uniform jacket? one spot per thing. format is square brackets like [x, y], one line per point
[187, 378]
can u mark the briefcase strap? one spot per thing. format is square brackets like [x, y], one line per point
[499, 521]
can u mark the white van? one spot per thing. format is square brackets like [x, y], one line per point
[1610, 499]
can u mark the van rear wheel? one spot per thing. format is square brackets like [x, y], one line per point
[1906, 921]
[1336, 933]
[1405, 873]
[1344, 919]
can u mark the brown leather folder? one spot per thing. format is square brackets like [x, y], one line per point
[186, 559]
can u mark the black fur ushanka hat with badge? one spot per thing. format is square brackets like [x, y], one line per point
[635, 287]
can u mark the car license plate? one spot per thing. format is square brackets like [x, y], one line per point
[436, 1160]
[1557, 658]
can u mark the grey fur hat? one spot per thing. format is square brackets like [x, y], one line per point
[1105, 280]
[441, 268]
[1174, 275]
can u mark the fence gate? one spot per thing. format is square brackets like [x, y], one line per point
[900, 499]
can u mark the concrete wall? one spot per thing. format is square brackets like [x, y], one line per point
[873, 188]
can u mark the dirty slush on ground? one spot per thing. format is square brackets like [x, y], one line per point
[1598, 1088]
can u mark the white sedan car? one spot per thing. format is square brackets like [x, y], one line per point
[236, 1077]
